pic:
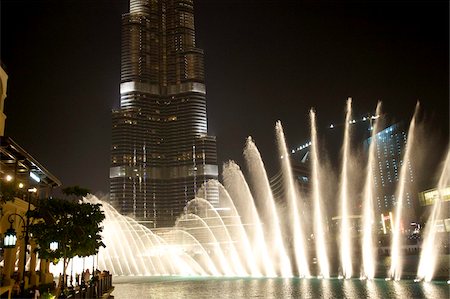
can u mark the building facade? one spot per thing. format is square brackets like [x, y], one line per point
[161, 151]
[23, 180]
[390, 148]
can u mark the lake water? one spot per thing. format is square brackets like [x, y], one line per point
[187, 287]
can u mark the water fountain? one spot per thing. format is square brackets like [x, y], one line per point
[345, 240]
[395, 270]
[245, 236]
[368, 254]
[430, 251]
[318, 226]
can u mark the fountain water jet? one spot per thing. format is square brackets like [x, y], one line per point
[269, 211]
[368, 255]
[229, 238]
[395, 270]
[430, 251]
[240, 192]
[236, 228]
[319, 231]
[292, 198]
[345, 240]
[221, 258]
[215, 222]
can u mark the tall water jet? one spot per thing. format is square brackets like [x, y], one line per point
[235, 227]
[220, 231]
[319, 231]
[269, 211]
[240, 192]
[395, 271]
[367, 244]
[430, 251]
[345, 237]
[292, 198]
[212, 242]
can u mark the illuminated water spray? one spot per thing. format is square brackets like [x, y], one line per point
[430, 251]
[271, 220]
[395, 270]
[319, 231]
[368, 255]
[345, 239]
[292, 198]
[241, 234]
[235, 226]
[239, 191]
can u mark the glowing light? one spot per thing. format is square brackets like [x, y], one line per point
[331, 126]
[35, 177]
[8, 178]
[384, 224]
[21, 185]
[54, 246]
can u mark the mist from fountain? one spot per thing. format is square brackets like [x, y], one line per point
[345, 239]
[318, 226]
[266, 203]
[293, 200]
[235, 228]
[239, 190]
[395, 270]
[245, 234]
[368, 244]
[430, 252]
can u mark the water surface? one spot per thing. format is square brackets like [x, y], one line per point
[189, 287]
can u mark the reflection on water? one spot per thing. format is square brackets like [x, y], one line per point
[372, 290]
[188, 287]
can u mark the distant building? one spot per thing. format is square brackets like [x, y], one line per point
[161, 152]
[427, 199]
[390, 148]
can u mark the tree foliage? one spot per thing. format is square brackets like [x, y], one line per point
[76, 226]
[7, 191]
[76, 191]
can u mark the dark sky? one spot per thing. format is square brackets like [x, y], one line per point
[265, 60]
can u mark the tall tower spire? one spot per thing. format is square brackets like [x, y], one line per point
[162, 114]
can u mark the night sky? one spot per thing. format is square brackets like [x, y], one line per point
[265, 61]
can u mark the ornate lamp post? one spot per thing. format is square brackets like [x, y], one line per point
[10, 238]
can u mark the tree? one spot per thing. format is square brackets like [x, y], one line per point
[75, 225]
[76, 191]
[7, 191]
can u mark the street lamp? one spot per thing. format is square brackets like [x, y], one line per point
[10, 238]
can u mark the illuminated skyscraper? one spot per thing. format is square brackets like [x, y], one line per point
[161, 150]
